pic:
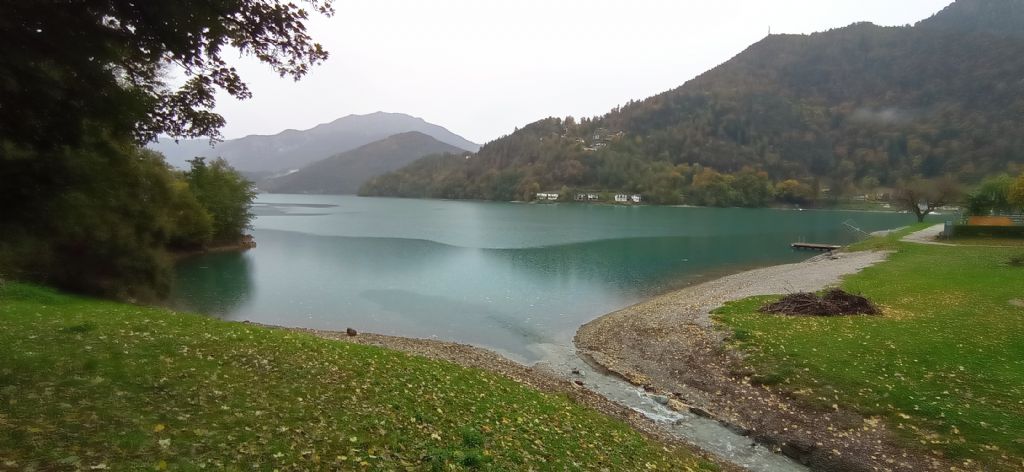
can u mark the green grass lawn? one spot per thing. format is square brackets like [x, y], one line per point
[87, 384]
[944, 365]
[889, 242]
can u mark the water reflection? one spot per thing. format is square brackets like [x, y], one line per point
[217, 284]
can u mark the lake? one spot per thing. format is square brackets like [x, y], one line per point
[506, 276]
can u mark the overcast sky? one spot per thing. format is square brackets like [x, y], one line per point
[481, 67]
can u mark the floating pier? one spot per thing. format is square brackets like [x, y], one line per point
[814, 247]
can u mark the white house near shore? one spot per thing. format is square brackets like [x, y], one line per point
[547, 196]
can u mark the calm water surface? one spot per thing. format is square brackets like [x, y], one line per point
[510, 277]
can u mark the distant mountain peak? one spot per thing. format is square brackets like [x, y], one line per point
[344, 173]
[292, 149]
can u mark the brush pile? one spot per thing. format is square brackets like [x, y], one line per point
[835, 302]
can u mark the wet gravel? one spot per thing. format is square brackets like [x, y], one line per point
[671, 346]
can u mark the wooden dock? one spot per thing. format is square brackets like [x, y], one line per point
[814, 247]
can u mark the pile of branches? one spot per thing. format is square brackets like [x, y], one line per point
[835, 302]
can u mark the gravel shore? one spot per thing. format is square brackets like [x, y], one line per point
[669, 344]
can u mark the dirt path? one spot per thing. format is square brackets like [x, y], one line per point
[929, 235]
[669, 344]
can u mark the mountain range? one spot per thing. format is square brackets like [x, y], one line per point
[345, 172]
[294, 149]
[793, 117]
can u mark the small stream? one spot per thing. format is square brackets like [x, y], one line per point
[704, 433]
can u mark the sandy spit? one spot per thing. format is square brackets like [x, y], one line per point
[670, 344]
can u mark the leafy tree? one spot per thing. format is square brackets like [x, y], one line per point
[992, 195]
[794, 192]
[67, 63]
[193, 227]
[82, 85]
[105, 230]
[1016, 197]
[224, 195]
[753, 188]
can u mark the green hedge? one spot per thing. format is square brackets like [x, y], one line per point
[964, 231]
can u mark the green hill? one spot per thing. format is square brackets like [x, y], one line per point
[344, 173]
[851, 110]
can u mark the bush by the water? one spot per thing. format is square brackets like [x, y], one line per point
[100, 218]
[835, 302]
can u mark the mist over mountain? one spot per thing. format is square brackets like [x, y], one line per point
[294, 149]
[848, 110]
[344, 173]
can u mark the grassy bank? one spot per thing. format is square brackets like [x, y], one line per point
[944, 365]
[87, 384]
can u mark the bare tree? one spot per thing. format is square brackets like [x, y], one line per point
[922, 197]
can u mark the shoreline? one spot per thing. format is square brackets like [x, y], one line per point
[671, 345]
[669, 349]
[679, 358]
[246, 243]
[560, 371]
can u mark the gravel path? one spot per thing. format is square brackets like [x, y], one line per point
[928, 235]
[670, 345]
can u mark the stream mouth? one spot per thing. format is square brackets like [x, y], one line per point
[725, 443]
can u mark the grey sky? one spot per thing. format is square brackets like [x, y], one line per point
[482, 67]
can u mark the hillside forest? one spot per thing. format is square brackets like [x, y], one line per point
[793, 119]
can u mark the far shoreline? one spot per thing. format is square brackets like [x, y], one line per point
[244, 244]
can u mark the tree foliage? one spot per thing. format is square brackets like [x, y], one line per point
[1016, 196]
[993, 195]
[225, 195]
[83, 83]
[998, 194]
[69, 63]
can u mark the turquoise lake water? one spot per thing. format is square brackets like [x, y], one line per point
[509, 277]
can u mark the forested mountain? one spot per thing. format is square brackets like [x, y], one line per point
[847, 110]
[345, 172]
[292, 149]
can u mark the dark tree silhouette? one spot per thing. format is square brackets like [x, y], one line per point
[69, 64]
[82, 84]
[922, 197]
